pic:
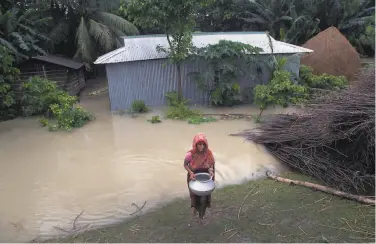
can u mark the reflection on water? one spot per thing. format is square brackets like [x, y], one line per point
[47, 178]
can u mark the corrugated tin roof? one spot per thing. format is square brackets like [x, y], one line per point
[145, 47]
[69, 63]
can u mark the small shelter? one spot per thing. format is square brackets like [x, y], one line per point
[333, 54]
[138, 71]
[68, 74]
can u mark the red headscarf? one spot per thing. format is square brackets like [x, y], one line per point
[201, 160]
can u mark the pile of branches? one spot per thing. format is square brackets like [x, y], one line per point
[333, 139]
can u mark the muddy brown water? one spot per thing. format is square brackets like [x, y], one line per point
[47, 178]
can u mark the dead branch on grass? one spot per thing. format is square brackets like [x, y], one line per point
[74, 229]
[241, 206]
[326, 189]
[138, 208]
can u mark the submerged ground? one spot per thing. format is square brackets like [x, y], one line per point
[273, 212]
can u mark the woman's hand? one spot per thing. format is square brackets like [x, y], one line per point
[191, 176]
[211, 172]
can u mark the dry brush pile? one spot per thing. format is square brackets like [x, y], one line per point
[333, 140]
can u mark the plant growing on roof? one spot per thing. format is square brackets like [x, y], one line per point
[178, 19]
[225, 62]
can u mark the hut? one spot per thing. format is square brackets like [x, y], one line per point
[68, 74]
[138, 71]
[333, 54]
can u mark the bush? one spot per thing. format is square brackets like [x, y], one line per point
[281, 90]
[37, 96]
[324, 81]
[42, 97]
[155, 119]
[139, 106]
[179, 109]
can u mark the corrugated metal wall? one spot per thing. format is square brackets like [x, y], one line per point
[150, 80]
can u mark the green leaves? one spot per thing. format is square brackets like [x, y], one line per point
[8, 75]
[42, 97]
[226, 60]
[19, 33]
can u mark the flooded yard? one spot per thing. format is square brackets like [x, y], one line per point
[47, 178]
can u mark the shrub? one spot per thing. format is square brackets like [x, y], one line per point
[155, 119]
[42, 97]
[281, 90]
[68, 117]
[37, 96]
[139, 106]
[324, 81]
[179, 109]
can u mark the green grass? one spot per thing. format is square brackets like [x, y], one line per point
[273, 212]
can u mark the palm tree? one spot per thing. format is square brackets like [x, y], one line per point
[270, 15]
[19, 33]
[94, 31]
[304, 22]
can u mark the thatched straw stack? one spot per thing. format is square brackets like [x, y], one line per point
[334, 139]
[333, 54]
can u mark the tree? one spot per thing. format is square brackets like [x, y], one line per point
[8, 74]
[19, 33]
[177, 18]
[270, 15]
[91, 30]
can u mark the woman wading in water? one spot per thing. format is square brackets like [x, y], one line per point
[199, 160]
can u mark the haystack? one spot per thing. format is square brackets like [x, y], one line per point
[333, 54]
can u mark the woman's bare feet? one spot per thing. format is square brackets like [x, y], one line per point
[194, 211]
[203, 221]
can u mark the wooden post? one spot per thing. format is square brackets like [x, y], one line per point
[44, 72]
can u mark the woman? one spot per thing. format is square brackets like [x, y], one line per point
[198, 160]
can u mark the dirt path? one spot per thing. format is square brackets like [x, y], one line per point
[273, 212]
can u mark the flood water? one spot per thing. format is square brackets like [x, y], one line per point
[47, 178]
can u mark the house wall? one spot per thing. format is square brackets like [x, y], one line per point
[76, 82]
[66, 79]
[150, 80]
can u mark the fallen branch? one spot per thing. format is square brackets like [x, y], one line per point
[138, 208]
[241, 206]
[326, 189]
[74, 229]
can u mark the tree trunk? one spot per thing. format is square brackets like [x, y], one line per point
[180, 88]
[326, 189]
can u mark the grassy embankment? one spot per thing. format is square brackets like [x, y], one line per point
[273, 212]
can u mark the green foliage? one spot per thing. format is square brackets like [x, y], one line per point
[178, 109]
[37, 96]
[139, 106]
[177, 17]
[19, 32]
[200, 120]
[42, 97]
[226, 61]
[324, 81]
[155, 119]
[68, 115]
[8, 75]
[281, 90]
[44, 122]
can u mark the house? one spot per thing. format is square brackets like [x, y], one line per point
[68, 74]
[139, 71]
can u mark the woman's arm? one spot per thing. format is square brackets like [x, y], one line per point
[187, 160]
